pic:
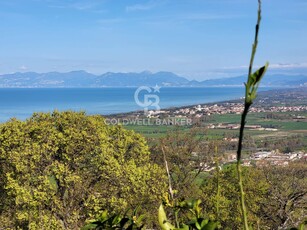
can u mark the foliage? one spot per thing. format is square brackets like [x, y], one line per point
[252, 84]
[251, 87]
[276, 197]
[229, 214]
[187, 154]
[116, 221]
[59, 169]
[287, 195]
[300, 227]
[194, 219]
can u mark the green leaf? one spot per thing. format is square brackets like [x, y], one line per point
[104, 215]
[140, 218]
[164, 223]
[253, 83]
[197, 225]
[210, 226]
[204, 223]
[260, 73]
[184, 227]
[89, 226]
[53, 182]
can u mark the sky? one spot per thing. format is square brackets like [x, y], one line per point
[196, 39]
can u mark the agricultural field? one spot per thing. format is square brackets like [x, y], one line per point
[284, 123]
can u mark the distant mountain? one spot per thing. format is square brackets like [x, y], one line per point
[275, 80]
[83, 79]
[139, 79]
[47, 80]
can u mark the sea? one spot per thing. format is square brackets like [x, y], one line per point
[21, 103]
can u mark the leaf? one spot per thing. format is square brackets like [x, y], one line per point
[197, 207]
[53, 182]
[253, 83]
[260, 73]
[104, 215]
[302, 225]
[89, 226]
[210, 226]
[140, 219]
[197, 225]
[204, 223]
[164, 224]
[184, 227]
[123, 221]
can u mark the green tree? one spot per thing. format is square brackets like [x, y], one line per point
[287, 196]
[59, 169]
[256, 190]
[187, 154]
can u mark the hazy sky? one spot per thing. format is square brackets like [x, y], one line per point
[197, 39]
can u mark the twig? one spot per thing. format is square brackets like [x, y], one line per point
[247, 105]
[168, 175]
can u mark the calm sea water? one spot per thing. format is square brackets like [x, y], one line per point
[21, 103]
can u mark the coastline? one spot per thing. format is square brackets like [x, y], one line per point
[268, 95]
[21, 103]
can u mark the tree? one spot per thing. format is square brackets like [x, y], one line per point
[59, 169]
[187, 154]
[287, 195]
[229, 212]
[276, 197]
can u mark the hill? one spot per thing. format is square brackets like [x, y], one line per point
[82, 79]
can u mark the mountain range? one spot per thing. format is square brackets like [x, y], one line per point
[82, 79]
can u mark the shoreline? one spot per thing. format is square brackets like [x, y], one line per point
[261, 95]
[288, 96]
[137, 112]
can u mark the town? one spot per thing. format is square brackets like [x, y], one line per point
[221, 108]
[258, 159]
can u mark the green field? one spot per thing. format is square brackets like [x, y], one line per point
[286, 126]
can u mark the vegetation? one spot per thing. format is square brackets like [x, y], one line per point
[116, 221]
[60, 169]
[194, 217]
[63, 170]
[67, 170]
[186, 154]
[251, 88]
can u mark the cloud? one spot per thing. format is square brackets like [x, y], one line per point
[23, 68]
[288, 65]
[206, 16]
[271, 66]
[75, 5]
[141, 7]
[110, 20]
[274, 68]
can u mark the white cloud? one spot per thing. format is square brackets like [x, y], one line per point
[288, 65]
[141, 7]
[205, 16]
[84, 5]
[110, 20]
[23, 68]
[274, 68]
[75, 5]
[271, 66]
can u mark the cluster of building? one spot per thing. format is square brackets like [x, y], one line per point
[223, 108]
[237, 126]
[259, 159]
[265, 158]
